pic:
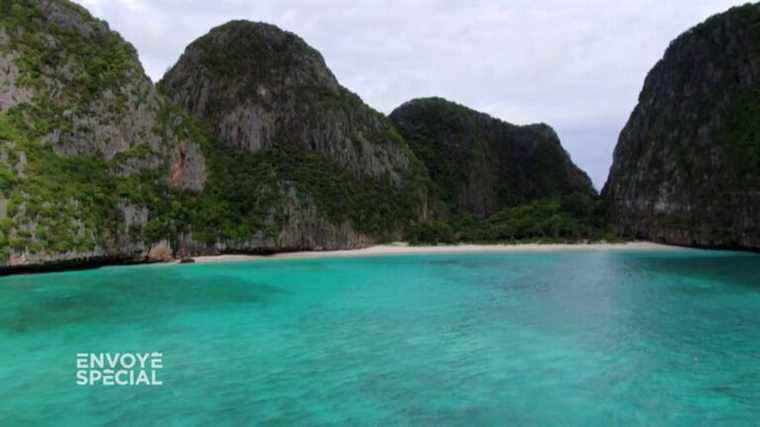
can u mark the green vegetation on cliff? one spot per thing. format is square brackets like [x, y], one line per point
[572, 218]
[95, 163]
[79, 145]
[687, 164]
[741, 137]
[271, 101]
[497, 182]
[263, 151]
[247, 192]
[480, 165]
[57, 203]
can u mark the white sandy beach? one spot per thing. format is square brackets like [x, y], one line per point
[403, 249]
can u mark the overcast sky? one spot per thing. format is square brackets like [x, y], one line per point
[577, 65]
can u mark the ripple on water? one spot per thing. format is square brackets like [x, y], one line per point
[561, 338]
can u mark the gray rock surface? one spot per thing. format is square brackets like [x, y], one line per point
[96, 165]
[479, 164]
[687, 165]
[258, 86]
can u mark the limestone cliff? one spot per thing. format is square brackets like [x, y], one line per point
[97, 166]
[249, 144]
[258, 87]
[80, 132]
[687, 165]
[267, 95]
[480, 165]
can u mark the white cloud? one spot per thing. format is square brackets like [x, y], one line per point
[577, 65]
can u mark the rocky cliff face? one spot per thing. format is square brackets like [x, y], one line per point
[266, 94]
[259, 87]
[97, 166]
[479, 164]
[81, 130]
[687, 165]
[248, 145]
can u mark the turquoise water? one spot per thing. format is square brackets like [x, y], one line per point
[565, 338]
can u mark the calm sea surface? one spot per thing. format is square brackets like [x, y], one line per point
[562, 338]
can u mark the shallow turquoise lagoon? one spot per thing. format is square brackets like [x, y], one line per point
[562, 338]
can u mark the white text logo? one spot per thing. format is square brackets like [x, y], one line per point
[122, 369]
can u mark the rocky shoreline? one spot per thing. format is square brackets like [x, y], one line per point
[399, 248]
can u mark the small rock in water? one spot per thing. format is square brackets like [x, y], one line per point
[187, 261]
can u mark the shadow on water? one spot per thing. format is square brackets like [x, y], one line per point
[41, 302]
[477, 261]
[736, 270]
[532, 338]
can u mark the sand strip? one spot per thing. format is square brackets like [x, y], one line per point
[403, 249]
